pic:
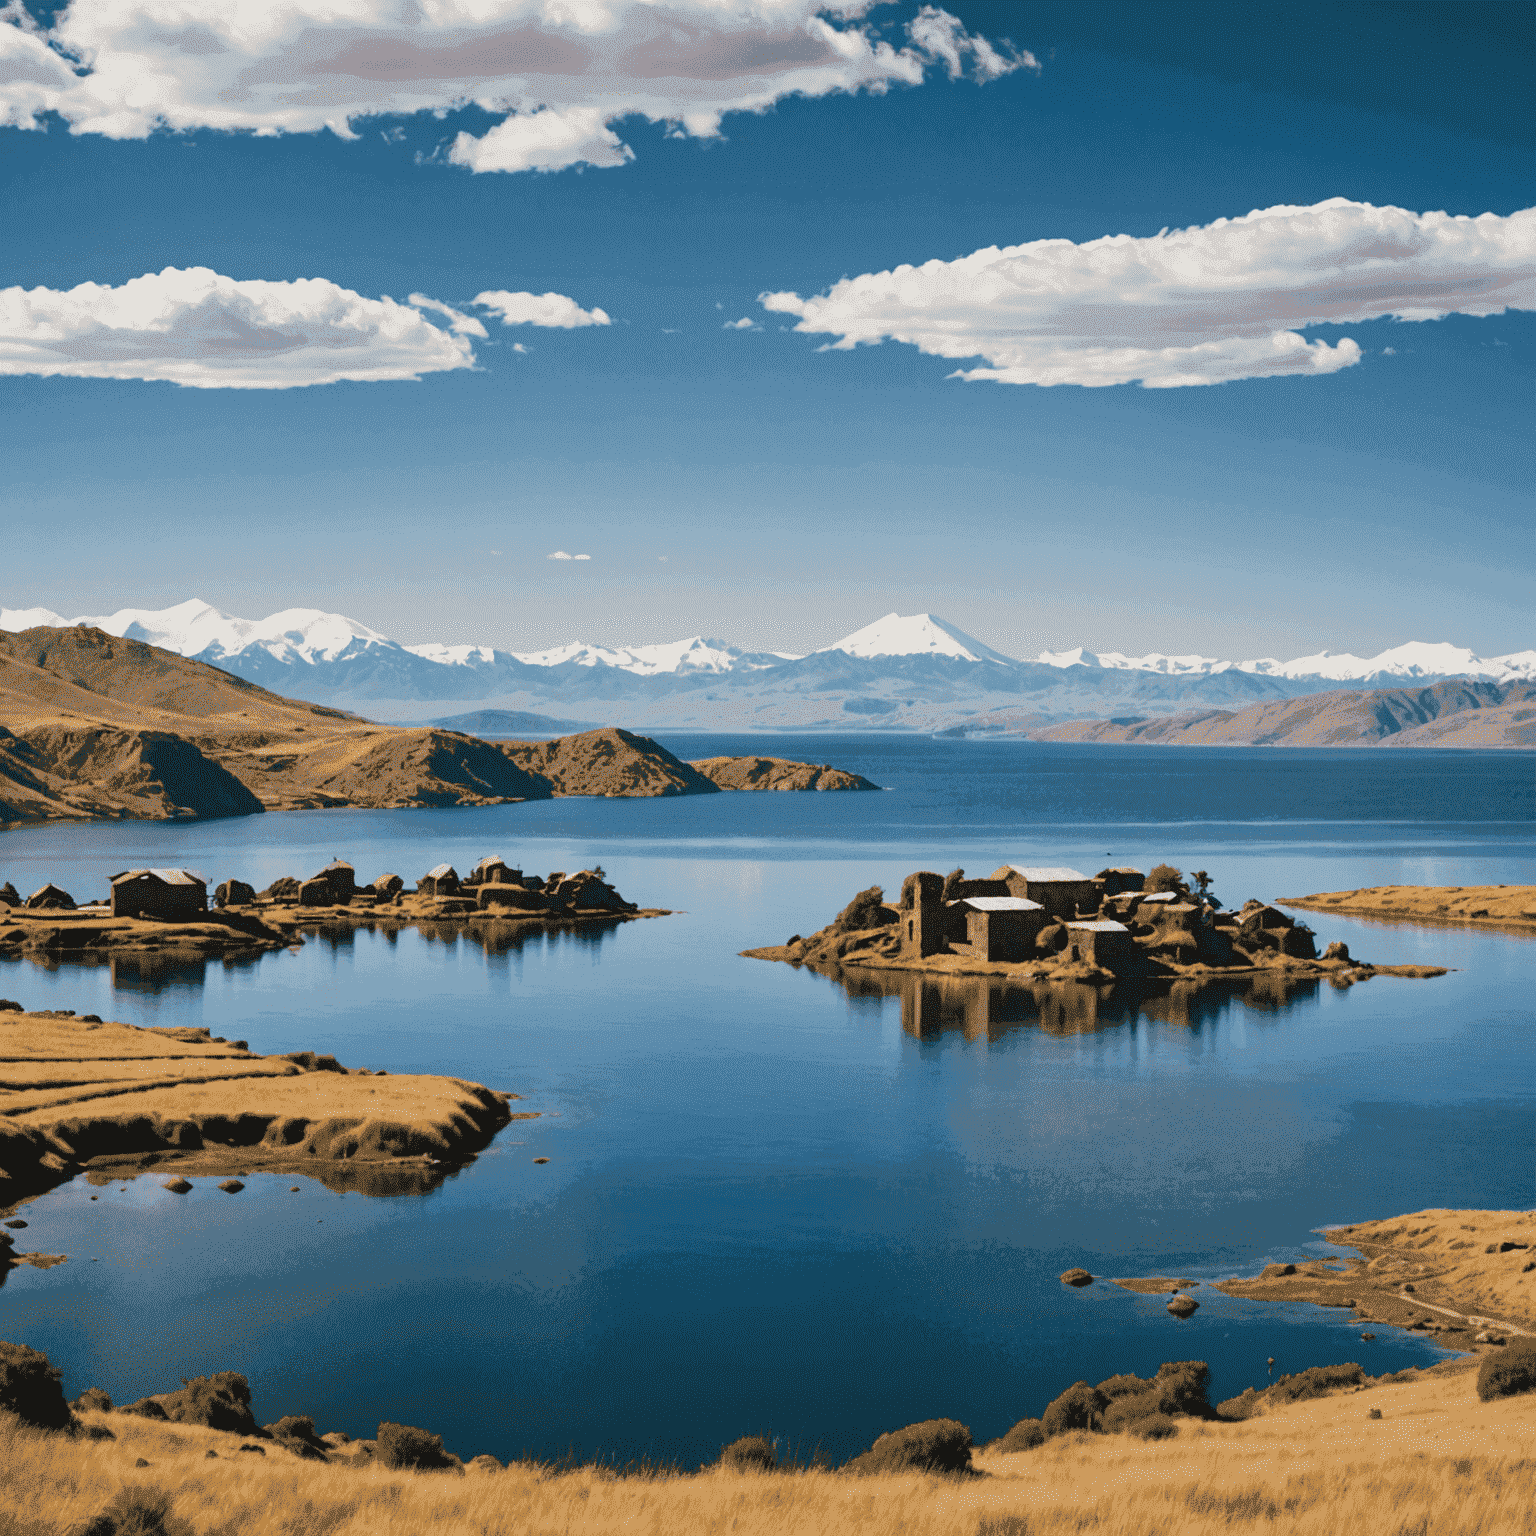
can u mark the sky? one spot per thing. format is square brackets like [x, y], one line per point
[1150, 327]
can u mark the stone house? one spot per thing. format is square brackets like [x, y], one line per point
[1061, 891]
[1001, 927]
[50, 898]
[441, 881]
[921, 915]
[168, 894]
[387, 886]
[493, 870]
[1117, 881]
[1102, 942]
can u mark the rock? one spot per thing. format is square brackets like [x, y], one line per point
[233, 893]
[210, 1454]
[231, 1186]
[177, 1186]
[141, 1462]
[146, 1408]
[93, 1399]
[1076, 1277]
[16, 1225]
[1277, 1271]
[30, 1388]
[260, 1450]
[483, 1464]
[1408, 1290]
[1338, 950]
[1183, 1306]
[1375, 1413]
[1370, 1338]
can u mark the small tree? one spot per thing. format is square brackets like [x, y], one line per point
[1202, 881]
[1166, 878]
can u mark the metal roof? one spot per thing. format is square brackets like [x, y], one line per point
[441, 871]
[164, 876]
[1001, 904]
[1160, 896]
[1039, 874]
[1100, 926]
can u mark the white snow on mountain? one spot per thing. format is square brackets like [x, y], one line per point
[917, 635]
[196, 628]
[695, 654]
[309, 636]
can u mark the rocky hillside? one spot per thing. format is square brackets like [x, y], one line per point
[93, 726]
[776, 773]
[1451, 714]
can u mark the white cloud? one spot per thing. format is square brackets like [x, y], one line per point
[560, 554]
[460, 324]
[559, 73]
[746, 323]
[197, 328]
[547, 309]
[1195, 306]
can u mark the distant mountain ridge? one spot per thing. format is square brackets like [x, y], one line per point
[904, 672]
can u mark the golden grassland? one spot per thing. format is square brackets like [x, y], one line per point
[1483, 906]
[1436, 1461]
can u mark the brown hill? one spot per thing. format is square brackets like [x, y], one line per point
[776, 773]
[608, 762]
[94, 726]
[1458, 713]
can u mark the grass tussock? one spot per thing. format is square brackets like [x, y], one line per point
[1438, 1461]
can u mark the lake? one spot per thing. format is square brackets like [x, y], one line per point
[769, 1206]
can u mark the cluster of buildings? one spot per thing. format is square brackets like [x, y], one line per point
[1019, 910]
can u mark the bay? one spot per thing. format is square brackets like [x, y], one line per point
[770, 1207]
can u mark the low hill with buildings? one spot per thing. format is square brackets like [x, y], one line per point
[96, 726]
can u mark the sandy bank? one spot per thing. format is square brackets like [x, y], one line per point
[78, 1095]
[1483, 906]
[57, 935]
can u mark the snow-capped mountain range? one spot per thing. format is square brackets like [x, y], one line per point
[905, 671]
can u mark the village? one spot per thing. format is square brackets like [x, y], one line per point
[1056, 923]
[170, 909]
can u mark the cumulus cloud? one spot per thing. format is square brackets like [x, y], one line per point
[547, 309]
[560, 554]
[460, 324]
[746, 323]
[557, 74]
[1194, 306]
[196, 328]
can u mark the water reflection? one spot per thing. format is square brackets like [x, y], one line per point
[980, 1007]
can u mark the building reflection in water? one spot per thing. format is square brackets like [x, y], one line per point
[982, 1007]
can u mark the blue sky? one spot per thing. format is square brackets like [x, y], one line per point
[747, 483]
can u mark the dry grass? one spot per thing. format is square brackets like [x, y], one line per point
[1438, 1461]
[1485, 906]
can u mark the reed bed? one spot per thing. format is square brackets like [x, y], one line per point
[1437, 1463]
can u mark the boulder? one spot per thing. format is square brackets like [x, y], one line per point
[1277, 1271]
[233, 893]
[387, 885]
[1338, 950]
[284, 889]
[1076, 1277]
[94, 1400]
[296, 1432]
[146, 1408]
[1183, 1306]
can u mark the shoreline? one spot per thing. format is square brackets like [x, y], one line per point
[1500, 908]
[101, 1098]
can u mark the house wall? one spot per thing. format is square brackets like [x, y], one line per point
[149, 898]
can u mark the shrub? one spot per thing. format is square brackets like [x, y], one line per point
[401, 1445]
[1079, 1407]
[866, 910]
[1131, 1410]
[935, 1445]
[221, 1401]
[1509, 1371]
[1156, 1426]
[1183, 1386]
[94, 1398]
[752, 1453]
[1235, 1409]
[31, 1388]
[1122, 1386]
[1166, 878]
[1024, 1436]
[1317, 1381]
[139, 1511]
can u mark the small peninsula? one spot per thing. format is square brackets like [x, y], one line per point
[1511, 907]
[1055, 924]
[86, 1095]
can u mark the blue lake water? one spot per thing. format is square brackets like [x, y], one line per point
[769, 1206]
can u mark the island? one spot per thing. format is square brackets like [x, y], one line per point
[1055, 924]
[1511, 907]
[87, 1095]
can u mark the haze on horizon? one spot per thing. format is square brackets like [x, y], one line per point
[1123, 329]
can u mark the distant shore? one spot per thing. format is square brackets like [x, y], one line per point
[1479, 906]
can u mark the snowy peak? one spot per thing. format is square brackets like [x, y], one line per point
[919, 634]
[196, 628]
[696, 654]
